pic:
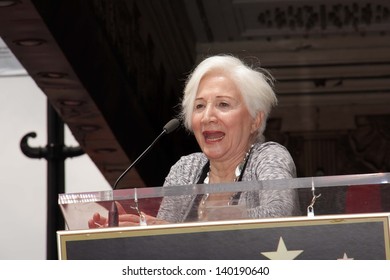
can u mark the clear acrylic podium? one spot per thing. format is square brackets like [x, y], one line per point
[342, 217]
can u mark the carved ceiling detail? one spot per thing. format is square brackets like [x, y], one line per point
[322, 18]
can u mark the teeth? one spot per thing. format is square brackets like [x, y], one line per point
[214, 139]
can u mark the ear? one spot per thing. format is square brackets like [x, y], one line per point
[257, 121]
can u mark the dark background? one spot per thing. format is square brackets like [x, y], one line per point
[114, 72]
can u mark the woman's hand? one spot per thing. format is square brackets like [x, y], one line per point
[135, 220]
[125, 219]
[97, 221]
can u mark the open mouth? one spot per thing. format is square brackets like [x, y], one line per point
[213, 136]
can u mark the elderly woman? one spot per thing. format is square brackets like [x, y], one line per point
[225, 105]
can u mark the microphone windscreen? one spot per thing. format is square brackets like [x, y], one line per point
[171, 125]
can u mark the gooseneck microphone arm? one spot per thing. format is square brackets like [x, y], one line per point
[168, 128]
[137, 159]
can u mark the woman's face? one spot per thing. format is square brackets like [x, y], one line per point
[221, 121]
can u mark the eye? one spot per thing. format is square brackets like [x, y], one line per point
[223, 105]
[199, 106]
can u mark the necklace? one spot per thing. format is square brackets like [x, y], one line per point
[232, 198]
[238, 171]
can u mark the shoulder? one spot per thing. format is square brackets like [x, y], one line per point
[273, 148]
[271, 160]
[186, 170]
[193, 159]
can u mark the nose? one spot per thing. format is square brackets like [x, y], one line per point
[209, 114]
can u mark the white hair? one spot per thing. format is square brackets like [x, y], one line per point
[254, 84]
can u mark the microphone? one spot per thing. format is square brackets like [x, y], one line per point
[113, 217]
[171, 126]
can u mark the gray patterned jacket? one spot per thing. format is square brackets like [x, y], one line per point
[267, 161]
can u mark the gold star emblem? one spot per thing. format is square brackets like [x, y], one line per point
[345, 257]
[282, 253]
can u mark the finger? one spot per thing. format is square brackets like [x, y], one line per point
[91, 224]
[151, 220]
[128, 224]
[121, 210]
[99, 220]
[96, 217]
[129, 218]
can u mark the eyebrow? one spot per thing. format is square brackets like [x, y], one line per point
[219, 96]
